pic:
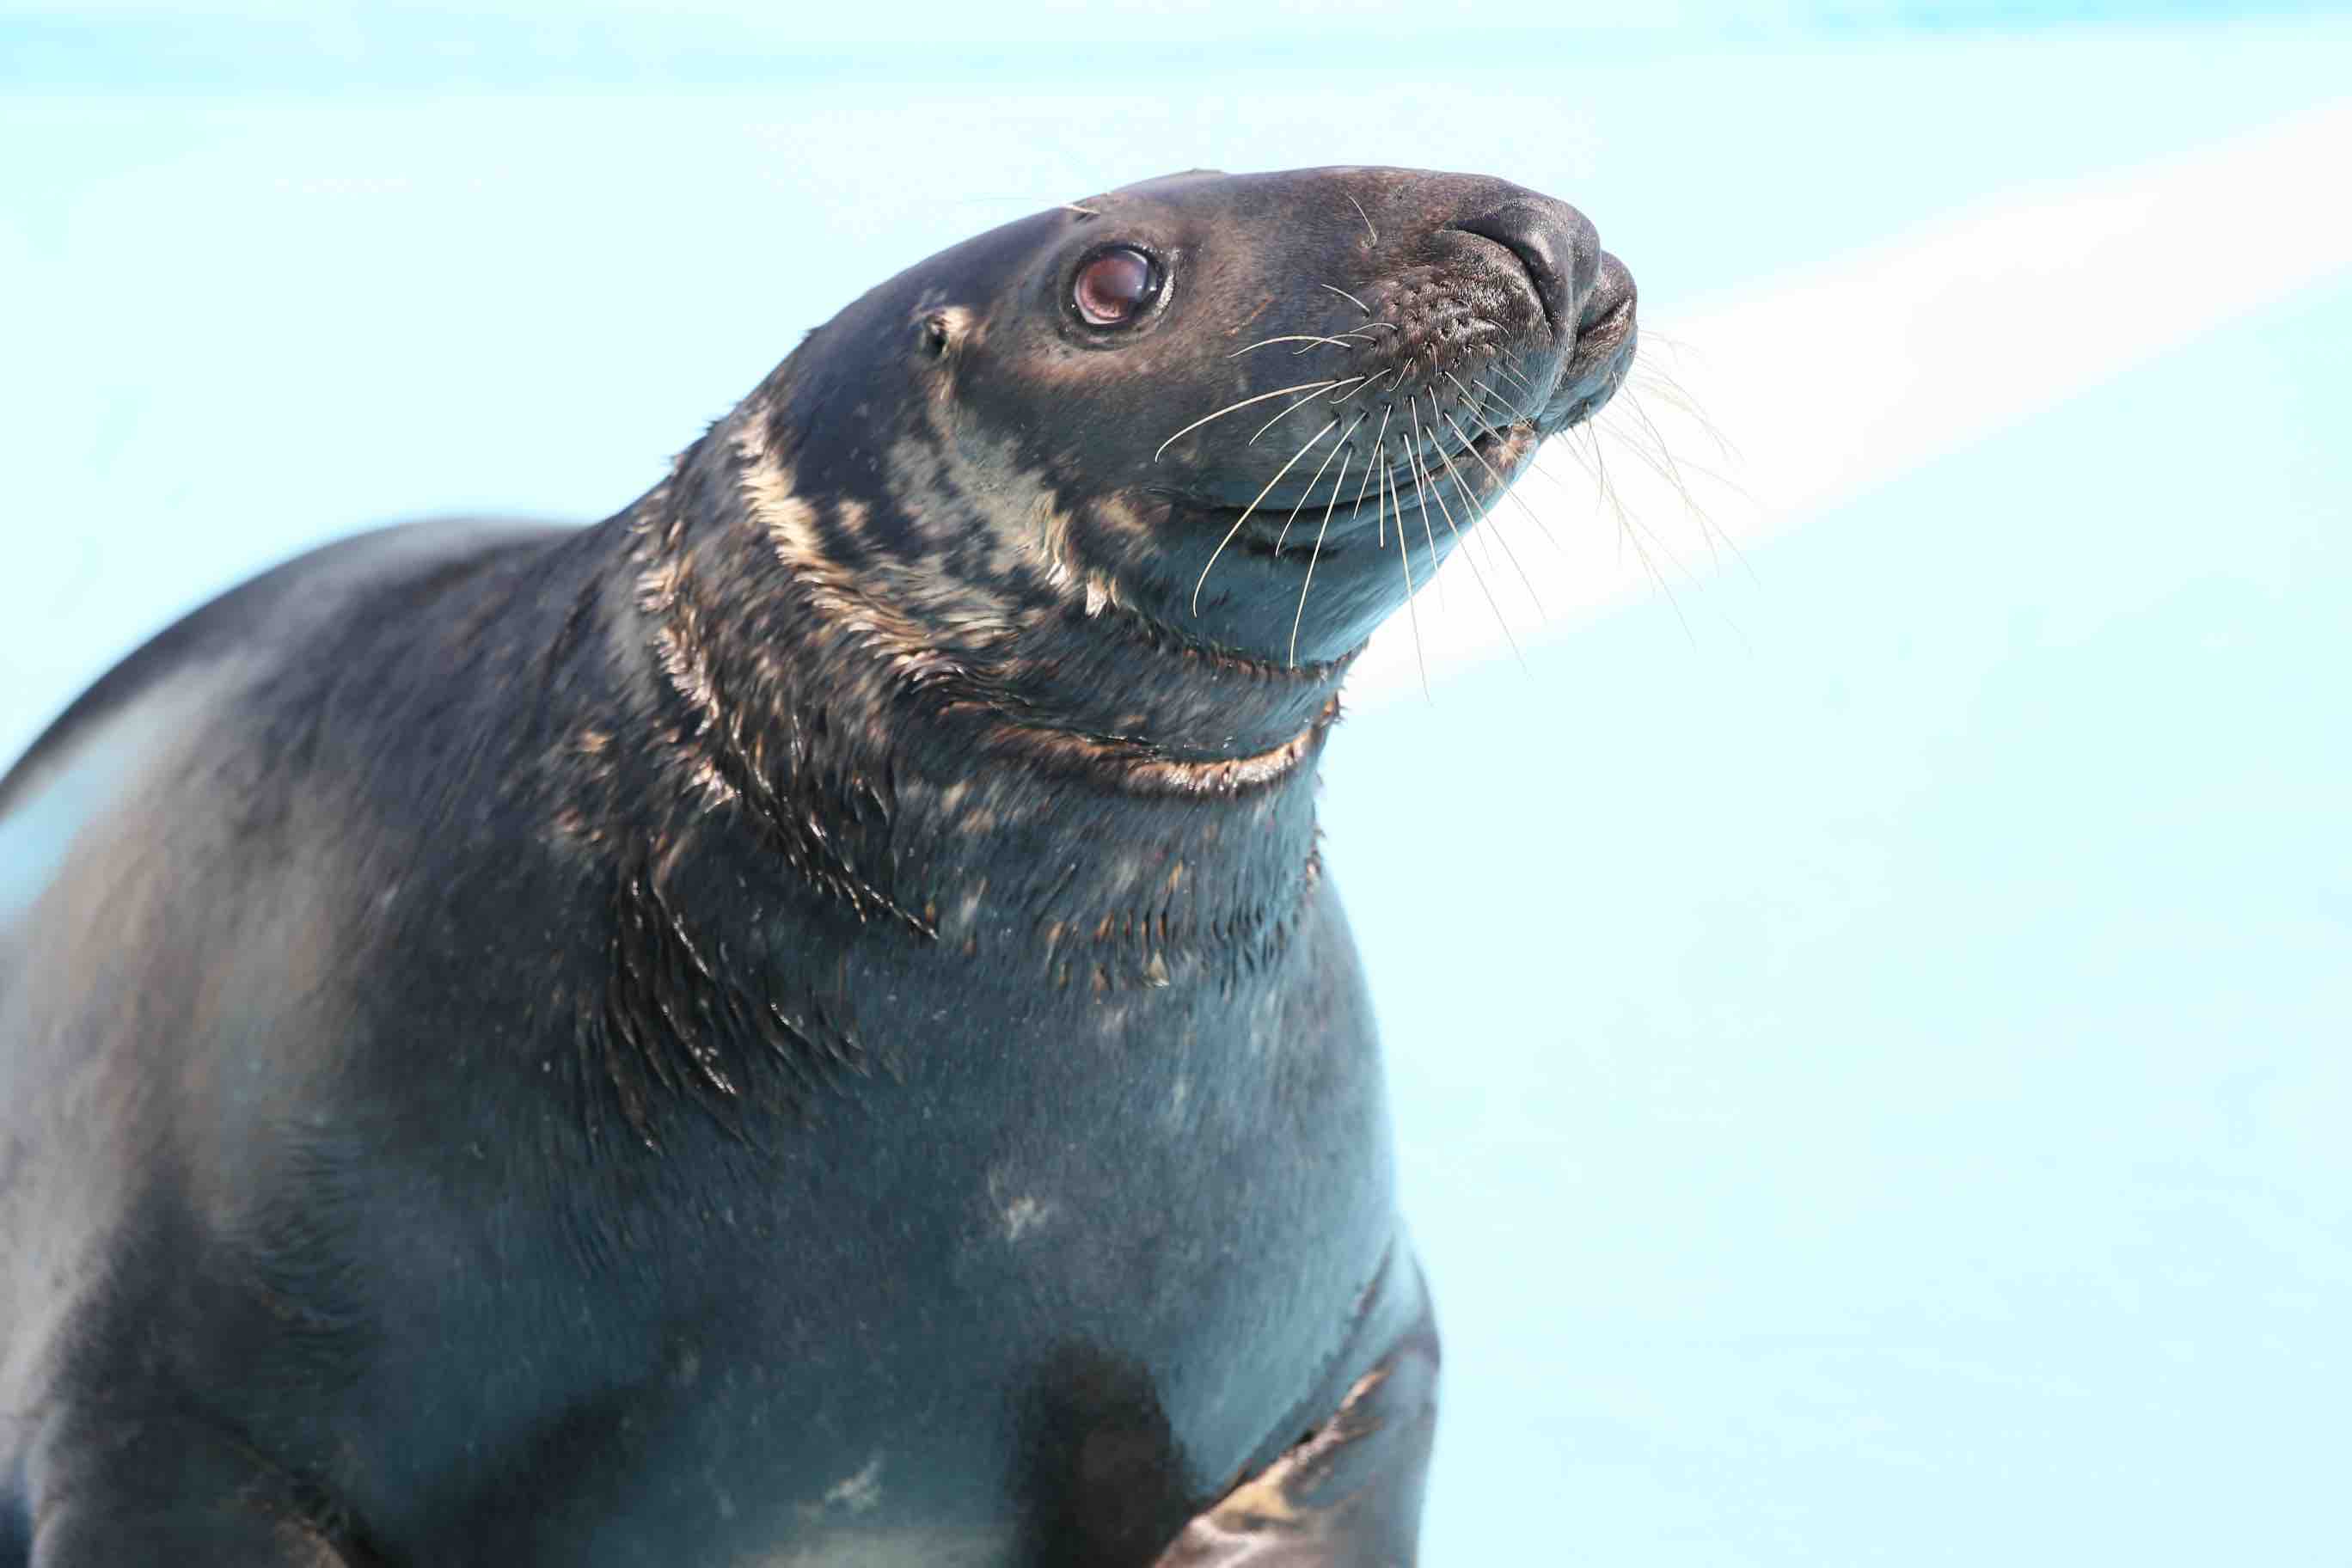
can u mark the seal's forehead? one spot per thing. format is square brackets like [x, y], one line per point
[1274, 189]
[1182, 174]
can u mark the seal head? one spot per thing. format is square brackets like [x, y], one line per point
[1237, 415]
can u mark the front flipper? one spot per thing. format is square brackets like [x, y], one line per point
[1349, 1493]
[120, 1489]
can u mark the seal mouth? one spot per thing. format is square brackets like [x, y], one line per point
[1605, 339]
[1445, 490]
[1449, 485]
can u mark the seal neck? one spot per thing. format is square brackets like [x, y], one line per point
[958, 558]
[957, 751]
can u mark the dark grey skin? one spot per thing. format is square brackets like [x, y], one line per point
[802, 1023]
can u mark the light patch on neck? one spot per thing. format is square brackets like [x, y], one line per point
[677, 637]
[872, 609]
[1028, 536]
[1052, 543]
[1146, 774]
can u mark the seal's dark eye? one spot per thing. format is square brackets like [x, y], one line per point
[1114, 286]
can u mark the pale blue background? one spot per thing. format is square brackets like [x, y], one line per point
[1873, 1083]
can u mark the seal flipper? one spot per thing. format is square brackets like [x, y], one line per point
[124, 1490]
[1348, 1492]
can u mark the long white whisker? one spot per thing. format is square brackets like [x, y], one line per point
[1626, 534]
[1404, 559]
[1245, 517]
[1334, 452]
[1379, 450]
[1514, 375]
[1380, 455]
[1244, 403]
[1476, 576]
[1309, 339]
[1367, 309]
[1414, 409]
[1663, 463]
[1412, 471]
[1317, 554]
[1497, 535]
[1483, 396]
[1506, 486]
[1287, 410]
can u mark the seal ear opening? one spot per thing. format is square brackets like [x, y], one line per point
[938, 335]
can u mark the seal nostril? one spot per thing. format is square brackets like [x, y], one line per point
[1545, 236]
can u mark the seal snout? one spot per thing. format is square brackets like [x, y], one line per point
[1556, 244]
[1605, 339]
[1609, 298]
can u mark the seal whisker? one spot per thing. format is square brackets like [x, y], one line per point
[1599, 481]
[1431, 491]
[1311, 483]
[1598, 470]
[1253, 506]
[1635, 526]
[1317, 554]
[1309, 339]
[1661, 465]
[1506, 486]
[1392, 370]
[1426, 474]
[1378, 460]
[1244, 403]
[1653, 453]
[1646, 378]
[1625, 521]
[1350, 338]
[1367, 217]
[1514, 375]
[1367, 309]
[1646, 443]
[1659, 441]
[1290, 409]
[1414, 409]
[1483, 396]
[1502, 543]
[1472, 561]
[1603, 493]
[1651, 374]
[1535, 465]
[1404, 559]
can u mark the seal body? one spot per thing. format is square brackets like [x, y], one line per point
[802, 1023]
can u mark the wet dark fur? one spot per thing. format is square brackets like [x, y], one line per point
[804, 1023]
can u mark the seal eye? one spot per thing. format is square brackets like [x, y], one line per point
[1114, 286]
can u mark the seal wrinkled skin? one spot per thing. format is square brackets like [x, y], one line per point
[804, 1022]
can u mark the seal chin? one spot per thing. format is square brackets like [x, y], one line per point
[1303, 586]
